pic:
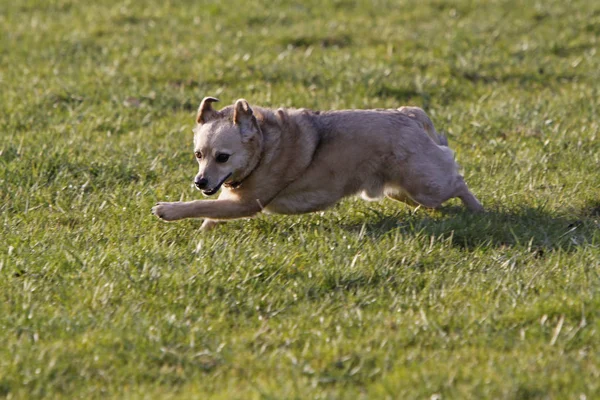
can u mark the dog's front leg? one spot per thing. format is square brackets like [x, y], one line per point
[213, 209]
[209, 224]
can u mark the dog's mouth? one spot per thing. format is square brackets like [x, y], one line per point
[210, 192]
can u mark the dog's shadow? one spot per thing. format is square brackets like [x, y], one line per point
[535, 228]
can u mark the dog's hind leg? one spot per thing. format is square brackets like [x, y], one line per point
[464, 194]
[433, 195]
[402, 196]
[435, 198]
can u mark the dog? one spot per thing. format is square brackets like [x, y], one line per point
[293, 161]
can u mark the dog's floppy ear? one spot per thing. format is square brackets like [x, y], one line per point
[205, 111]
[244, 118]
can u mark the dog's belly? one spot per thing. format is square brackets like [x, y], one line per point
[301, 202]
[372, 189]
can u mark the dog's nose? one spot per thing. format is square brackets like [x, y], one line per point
[201, 183]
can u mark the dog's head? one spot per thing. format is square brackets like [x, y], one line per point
[227, 144]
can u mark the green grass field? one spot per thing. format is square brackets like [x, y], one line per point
[99, 299]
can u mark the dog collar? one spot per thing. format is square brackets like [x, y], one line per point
[236, 184]
[233, 185]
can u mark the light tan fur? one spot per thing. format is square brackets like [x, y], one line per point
[292, 161]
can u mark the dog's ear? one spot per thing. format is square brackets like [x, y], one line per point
[205, 111]
[244, 118]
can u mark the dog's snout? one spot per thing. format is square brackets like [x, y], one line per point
[201, 183]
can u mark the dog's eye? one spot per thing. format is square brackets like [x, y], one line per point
[221, 158]
[198, 154]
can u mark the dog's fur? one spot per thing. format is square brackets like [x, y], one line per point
[291, 161]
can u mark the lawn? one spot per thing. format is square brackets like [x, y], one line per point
[99, 299]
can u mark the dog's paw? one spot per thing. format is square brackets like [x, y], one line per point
[168, 211]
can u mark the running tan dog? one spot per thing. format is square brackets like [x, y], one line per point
[290, 161]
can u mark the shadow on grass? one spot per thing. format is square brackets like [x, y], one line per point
[536, 228]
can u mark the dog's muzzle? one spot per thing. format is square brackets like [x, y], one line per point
[201, 183]
[210, 192]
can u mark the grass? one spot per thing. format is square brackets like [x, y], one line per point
[98, 299]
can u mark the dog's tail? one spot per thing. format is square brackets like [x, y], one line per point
[420, 116]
